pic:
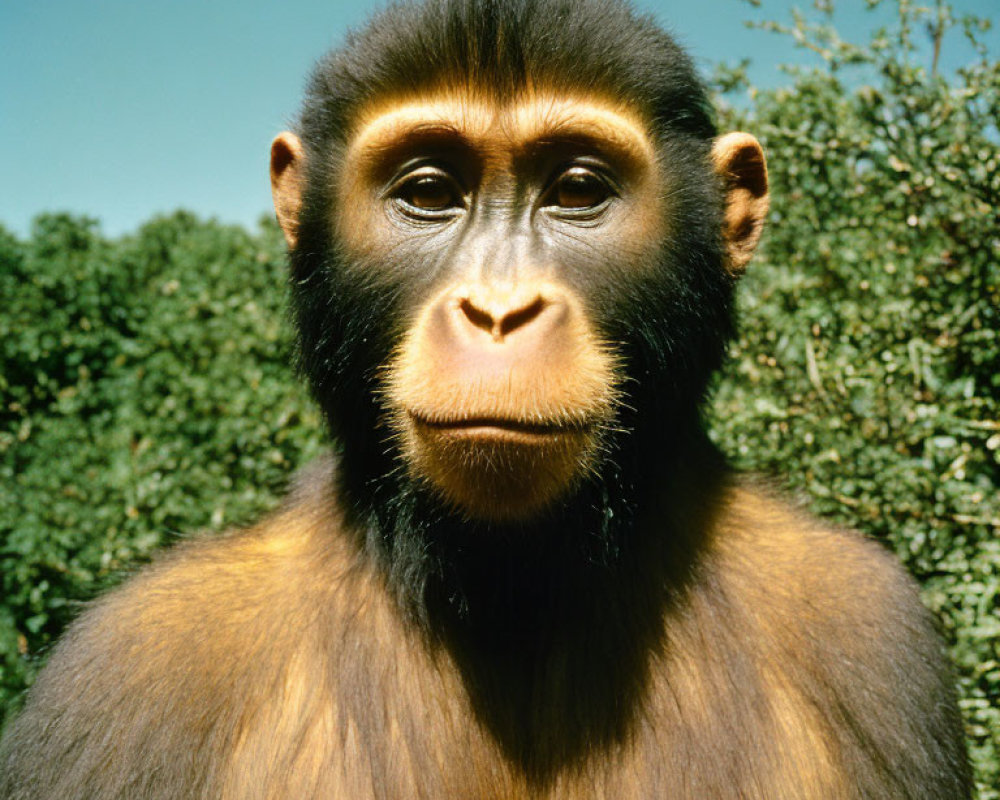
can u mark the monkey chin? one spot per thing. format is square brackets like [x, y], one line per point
[497, 470]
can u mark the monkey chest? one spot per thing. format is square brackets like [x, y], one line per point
[429, 739]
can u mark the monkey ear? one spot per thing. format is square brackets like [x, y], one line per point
[287, 167]
[739, 161]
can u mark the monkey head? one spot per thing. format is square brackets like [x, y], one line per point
[513, 250]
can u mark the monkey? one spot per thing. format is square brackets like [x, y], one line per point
[524, 571]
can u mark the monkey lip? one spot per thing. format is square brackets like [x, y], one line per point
[500, 428]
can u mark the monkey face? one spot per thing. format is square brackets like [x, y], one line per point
[518, 242]
[509, 220]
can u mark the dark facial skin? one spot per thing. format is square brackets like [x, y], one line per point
[493, 195]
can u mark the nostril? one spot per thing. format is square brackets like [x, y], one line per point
[479, 318]
[500, 317]
[520, 317]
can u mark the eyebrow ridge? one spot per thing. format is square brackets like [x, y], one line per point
[591, 127]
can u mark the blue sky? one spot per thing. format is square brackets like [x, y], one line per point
[121, 109]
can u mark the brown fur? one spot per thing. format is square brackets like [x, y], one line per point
[278, 652]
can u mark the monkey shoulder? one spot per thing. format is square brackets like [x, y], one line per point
[181, 656]
[216, 599]
[810, 573]
[824, 619]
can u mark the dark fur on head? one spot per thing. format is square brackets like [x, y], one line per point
[500, 47]
[669, 328]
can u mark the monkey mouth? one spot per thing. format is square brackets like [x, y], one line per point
[501, 428]
[494, 466]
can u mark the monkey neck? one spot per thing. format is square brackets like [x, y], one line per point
[637, 514]
[572, 605]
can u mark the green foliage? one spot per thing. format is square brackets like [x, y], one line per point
[145, 388]
[867, 374]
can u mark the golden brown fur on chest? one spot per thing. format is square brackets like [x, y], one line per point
[275, 663]
[361, 706]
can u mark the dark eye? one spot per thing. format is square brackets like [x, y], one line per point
[433, 191]
[579, 187]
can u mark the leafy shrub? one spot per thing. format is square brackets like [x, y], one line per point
[145, 389]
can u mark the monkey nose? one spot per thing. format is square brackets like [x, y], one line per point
[500, 319]
[488, 328]
[510, 315]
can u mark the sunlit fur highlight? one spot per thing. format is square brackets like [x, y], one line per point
[526, 118]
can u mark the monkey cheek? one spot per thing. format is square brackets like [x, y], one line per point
[497, 475]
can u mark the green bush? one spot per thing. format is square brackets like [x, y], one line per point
[145, 388]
